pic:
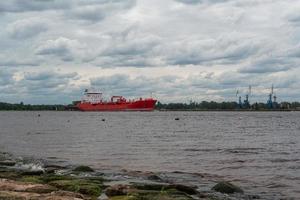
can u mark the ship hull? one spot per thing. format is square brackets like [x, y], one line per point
[139, 105]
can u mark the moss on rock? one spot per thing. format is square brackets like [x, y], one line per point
[10, 174]
[228, 188]
[83, 168]
[31, 179]
[78, 185]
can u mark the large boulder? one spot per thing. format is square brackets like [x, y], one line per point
[226, 187]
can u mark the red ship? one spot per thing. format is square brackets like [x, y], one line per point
[93, 101]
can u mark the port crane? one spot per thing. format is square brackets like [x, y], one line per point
[246, 103]
[272, 101]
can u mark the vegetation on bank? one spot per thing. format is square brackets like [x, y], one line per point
[22, 106]
[212, 105]
[204, 105]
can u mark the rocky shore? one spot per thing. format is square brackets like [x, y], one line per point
[21, 180]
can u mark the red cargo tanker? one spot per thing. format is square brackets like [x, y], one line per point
[92, 101]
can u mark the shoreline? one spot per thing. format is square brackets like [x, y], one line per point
[45, 180]
[171, 110]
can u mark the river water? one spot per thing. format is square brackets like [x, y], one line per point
[258, 150]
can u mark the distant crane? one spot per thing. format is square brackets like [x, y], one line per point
[240, 104]
[272, 101]
[246, 101]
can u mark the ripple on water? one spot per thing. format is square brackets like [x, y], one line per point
[257, 147]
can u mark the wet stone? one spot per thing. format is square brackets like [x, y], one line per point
[117, 190]
[83, 168]
[154, 177]
[184, 188]
[7, 163]
[34, 172]
[228, 188]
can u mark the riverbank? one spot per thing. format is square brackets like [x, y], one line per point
[29, 179]
[192, 106]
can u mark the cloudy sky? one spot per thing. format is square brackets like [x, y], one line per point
[176, 49]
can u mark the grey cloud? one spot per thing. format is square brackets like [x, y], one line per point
[224, 50]
[6, 78]
[89, 13]
[294, 18]
[39, 87]
[32, 5]
[200, 86]
[283, 80]
[97, 10]
[133, 87]
[232, 79]
[163, 34]
[201, 1]
[17, 63]
[174, 87]
[61, 47]
[129, 48]
[268, 65]
[46, 82]
[26, 28]
[263, 69]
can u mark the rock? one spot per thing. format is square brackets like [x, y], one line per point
[159, 187]
[254, 196]
[68, 194]
[61, 195]
[9, 174]
[117, 190]
[7, 163]
[54, 166]
[53, 177]
[51, 169]
[78, 185]
[83, 168]
[32, 173]
[11, 195]
[152, 186]
[228, 188]
[7, 185]
[183, 188]
[103, 197]
[154, 177]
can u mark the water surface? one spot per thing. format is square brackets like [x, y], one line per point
[258, 150]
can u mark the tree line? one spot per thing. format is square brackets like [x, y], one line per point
[22, 106]
[212, 105]
[204, 105]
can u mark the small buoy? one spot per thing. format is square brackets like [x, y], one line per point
[68, 121]
[103, 120]
[39, 115]
[176, 118]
